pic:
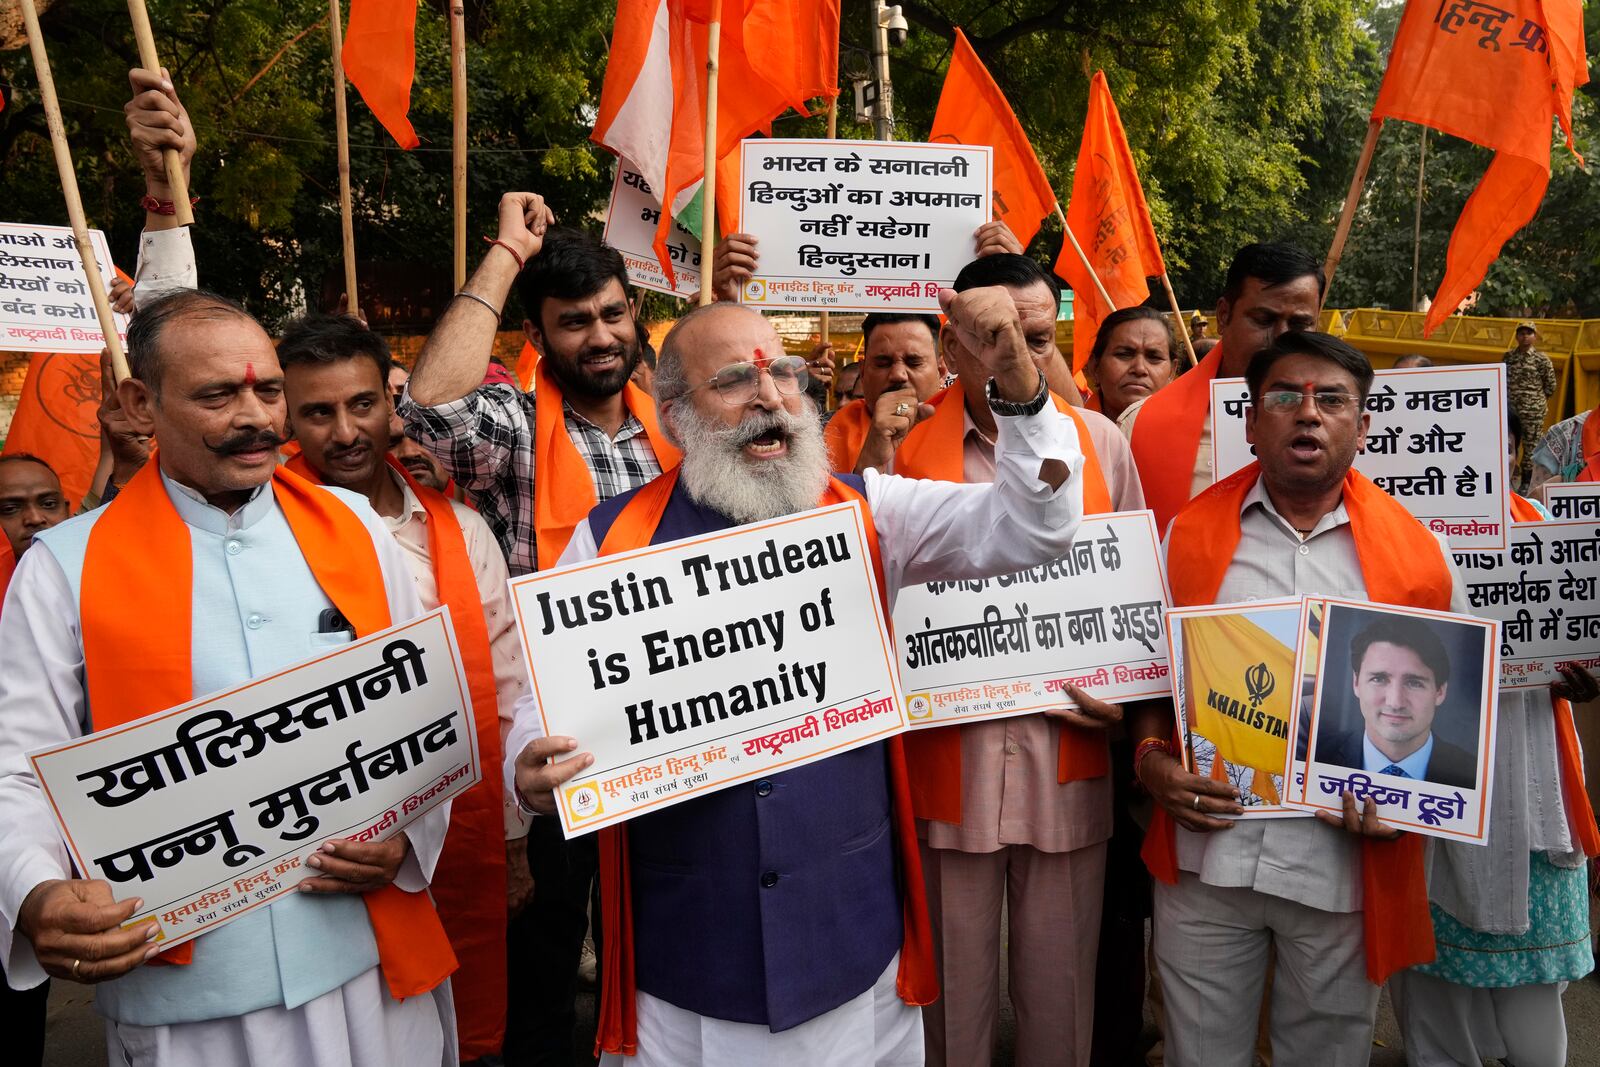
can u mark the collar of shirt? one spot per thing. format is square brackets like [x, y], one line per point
[1415, 765]
[631, 426]
[194, 509]
[411, 508]
[1257, 497]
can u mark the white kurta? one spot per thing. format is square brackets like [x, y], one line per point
[927, 531]
[43, 702]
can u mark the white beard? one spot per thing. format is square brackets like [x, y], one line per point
[717, 474]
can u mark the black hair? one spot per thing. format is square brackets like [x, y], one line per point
[29, 457]
[880, 318]
[570, 265]
[1308, 343]
[1136, 313]
[1008, 269]
[647, 351]
[150, 323]
[1406, 632]
[323, 339]
[1273, 264]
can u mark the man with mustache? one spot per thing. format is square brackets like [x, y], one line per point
[900, 370]
[808, 881]
[211, 567]
[335, 381]
[535, 463]
[417, 461]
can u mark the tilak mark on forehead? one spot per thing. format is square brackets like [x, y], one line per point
[250, 374]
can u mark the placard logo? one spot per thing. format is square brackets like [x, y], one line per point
[918, 706]
[755, 291]
[583, 801]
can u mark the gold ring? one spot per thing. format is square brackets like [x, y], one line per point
[902, 408]
[1197, 802]
[75, 965]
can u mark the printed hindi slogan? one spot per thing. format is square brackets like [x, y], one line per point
[688, 667]
[1543, 590]
[45, 304]
[210, 810]
[1572, 500]
[631, 220]
[996, 647]
[1437, 444]
[861, 225]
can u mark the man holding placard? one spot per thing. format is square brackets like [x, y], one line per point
[803, 977]
[213, 566]
[1015, 809]
[1342, 900]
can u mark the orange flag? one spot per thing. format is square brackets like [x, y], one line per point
[380, 59]
[527, 360]
[1111, 220]
[56, 418]
[1493, 76]
[973, 110]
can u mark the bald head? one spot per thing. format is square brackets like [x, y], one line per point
[717, 326]
[148, 332]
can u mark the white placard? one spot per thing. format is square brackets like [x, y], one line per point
[1423, 698]
[687, 667]
[1437, 444]
[861, 225]
[1543, 590]
[631, 220]
[1572, 500]
[995, 647]
[210, 810]
[45, 304]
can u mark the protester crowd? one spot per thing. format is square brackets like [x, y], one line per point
[855, 903]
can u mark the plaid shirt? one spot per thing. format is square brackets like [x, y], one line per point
[485, 442]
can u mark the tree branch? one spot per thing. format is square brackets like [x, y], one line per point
[279, 54]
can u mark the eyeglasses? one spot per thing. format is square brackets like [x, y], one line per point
[1329, 402]
[738, 383]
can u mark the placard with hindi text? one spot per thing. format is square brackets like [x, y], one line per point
[631, 220]
[45, 304]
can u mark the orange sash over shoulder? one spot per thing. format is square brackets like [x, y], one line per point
[469, 882]
[563, 491]
[934, 450]
[917, 981]
[845, 433]
[1401, 564]
[138, 661]
[1166, 437]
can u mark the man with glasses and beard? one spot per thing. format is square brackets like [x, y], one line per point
[535, 463]
[211, 567]
[827, 960]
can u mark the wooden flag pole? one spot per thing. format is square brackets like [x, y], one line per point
[708, 185]
[1177, 313]
[69, 190]
[1416, 229]
[1099, 286]
[341, 133]
[151, 61]
[458, 141]
[1351, 200]
[827, 325]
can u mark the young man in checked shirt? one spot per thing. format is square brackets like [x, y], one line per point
[535, 463]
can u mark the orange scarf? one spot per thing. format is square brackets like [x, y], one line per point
[917, 981]
[1569, 756]
[8, 565]
[1166, 437]
[468, 884]
[934, 449]
[1401, 564]
[563, 492]
[1589, 448]
[137, 662]
[845, 433]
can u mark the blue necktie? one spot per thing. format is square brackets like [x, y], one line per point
[1394, 769]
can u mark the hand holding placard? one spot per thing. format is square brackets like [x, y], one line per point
[76, 932]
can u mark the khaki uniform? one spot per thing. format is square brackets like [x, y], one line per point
[1530, 383]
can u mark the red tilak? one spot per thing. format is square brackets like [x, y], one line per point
[250, 374]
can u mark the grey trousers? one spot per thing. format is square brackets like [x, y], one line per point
[1444, 1024]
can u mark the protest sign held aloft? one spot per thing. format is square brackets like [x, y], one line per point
[631, 221]
[1572, 500]
[45, 303]
[687, 667]
[210, 809]
[861, 225]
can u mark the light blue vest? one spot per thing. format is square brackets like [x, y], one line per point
[256, 606]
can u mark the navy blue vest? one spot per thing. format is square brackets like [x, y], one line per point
[773, 901]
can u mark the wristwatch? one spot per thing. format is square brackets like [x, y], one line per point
[1006, 407]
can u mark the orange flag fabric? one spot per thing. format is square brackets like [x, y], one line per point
[380, 59]
[1111, 220]
[973, 110]
[1493, 76]
[56, 418]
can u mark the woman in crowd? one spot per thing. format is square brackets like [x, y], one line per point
[1131, 358]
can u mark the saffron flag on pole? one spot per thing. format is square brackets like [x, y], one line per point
[1240, 685]
[57, 418]
[1493, 76]
[973, 110]
[380, 59]
[653, 102]
[1111, 221]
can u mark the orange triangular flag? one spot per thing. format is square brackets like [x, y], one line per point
[57, 418]
[380, 59]
[1493, 76]
[1111, 221]
[527, 360]
[973, 110]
